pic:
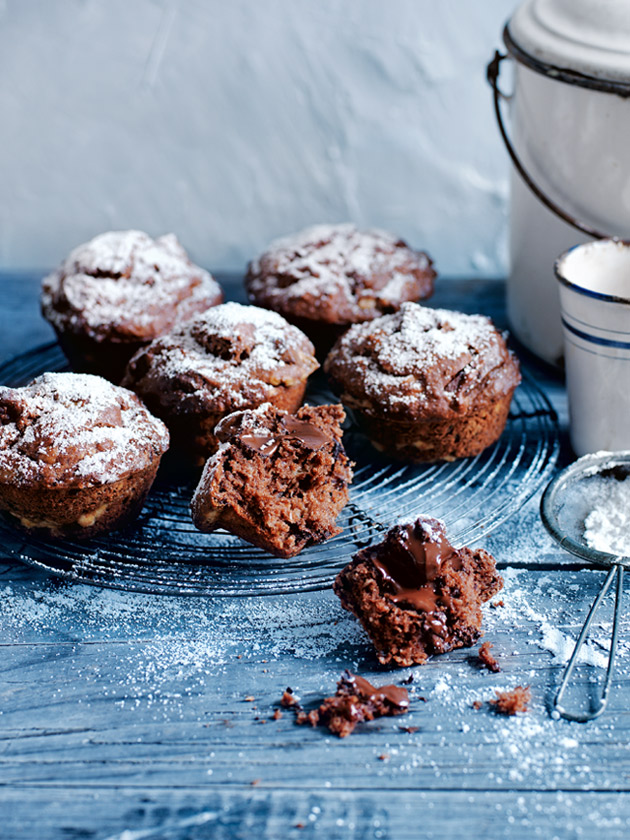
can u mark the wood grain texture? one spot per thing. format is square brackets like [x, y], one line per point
[125, 716]
[236, 813]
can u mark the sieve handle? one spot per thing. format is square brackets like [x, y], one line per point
[492, 73]
[558, 708]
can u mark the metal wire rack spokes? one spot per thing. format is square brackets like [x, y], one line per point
[163, 553]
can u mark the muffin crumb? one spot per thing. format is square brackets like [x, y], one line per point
[512, 702]
[487, 659]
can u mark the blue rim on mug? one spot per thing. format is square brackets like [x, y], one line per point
[580, 289]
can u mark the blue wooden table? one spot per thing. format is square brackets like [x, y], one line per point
[131, 716]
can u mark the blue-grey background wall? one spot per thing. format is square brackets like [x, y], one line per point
[231, 122]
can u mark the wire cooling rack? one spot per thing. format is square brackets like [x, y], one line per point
[163, 553]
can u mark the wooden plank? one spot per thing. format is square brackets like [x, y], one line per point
[102, 688]
[246, 813]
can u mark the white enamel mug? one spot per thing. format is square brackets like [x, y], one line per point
[594, 282]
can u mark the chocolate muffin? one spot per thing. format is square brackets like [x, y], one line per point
[327, 277]
[118, 292]
[415, 594]
[278, 480]
[78, 455]
[426, 384]
[229, 358]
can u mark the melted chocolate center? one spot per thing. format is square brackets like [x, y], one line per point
[307, 433]
[396, 695]
[266, 444]
[410, 563]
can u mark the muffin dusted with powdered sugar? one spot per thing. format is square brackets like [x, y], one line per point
[78, 455]
[327, 277]
[231, 357]
[118, 292]
[428, 384]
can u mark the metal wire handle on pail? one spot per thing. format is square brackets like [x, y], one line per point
[492, 73]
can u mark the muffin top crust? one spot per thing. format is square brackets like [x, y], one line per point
[339, 274]
[75, 430]
[422, 361]
[226, 358]
[126, 286]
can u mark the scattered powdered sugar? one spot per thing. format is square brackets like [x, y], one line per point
[197, 660]
[305, 627]
[527, 747]
[272, 332]
[418, 335]
[555, 628]
[116, 252]
[126, 277]
[74, 428]
[328, 260]
[607, 526]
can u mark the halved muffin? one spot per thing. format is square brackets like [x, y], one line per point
[278, 480]
[415, 594]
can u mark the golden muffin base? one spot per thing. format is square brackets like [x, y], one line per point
[438, 439]
[77, 512]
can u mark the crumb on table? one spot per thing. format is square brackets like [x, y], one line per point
[311, 717]
[511, 702]
[289, 699]
[487, 659]
[355, 701]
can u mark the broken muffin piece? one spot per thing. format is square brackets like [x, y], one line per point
[357, 700]
[415, 594]
[278, 480]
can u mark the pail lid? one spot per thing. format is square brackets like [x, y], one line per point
[589, 38]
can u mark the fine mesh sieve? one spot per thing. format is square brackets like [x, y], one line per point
[564, 506]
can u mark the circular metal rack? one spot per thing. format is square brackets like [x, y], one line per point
[163, 553]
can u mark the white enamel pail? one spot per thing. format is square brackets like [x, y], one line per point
[570, 146]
